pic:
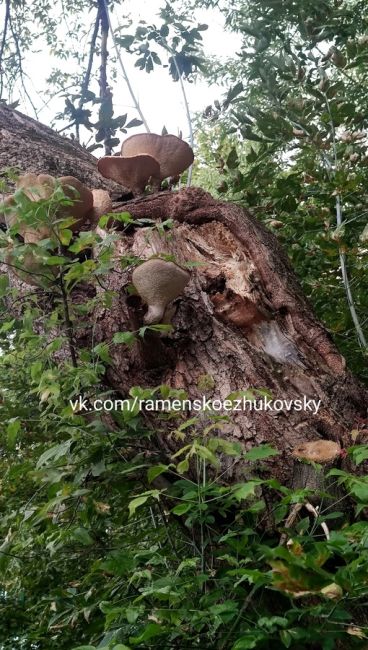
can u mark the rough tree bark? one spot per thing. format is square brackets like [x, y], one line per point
[242, 322]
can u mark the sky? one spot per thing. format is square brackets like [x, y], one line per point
[160, 98]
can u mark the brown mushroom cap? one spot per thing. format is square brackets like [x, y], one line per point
[132, 171]
[173, 154]
[8, 214]
[158, 282]
[36, 187]
[102, 204]
[42, 187]
[80, 194]
[318, 451]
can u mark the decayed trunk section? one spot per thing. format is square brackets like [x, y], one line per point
[241, 324]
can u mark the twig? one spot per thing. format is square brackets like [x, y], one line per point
[125, 76]
[293, 515]
[87, 76]
[345, 278]
[191, 139]
[185, 99]
[2, 48]
[21, 73]
[68, 322]
[290, 520]
[241, 612]
[105, 91]
[314, 512]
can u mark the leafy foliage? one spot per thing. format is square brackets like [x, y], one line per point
[295, 120]
[107, 542]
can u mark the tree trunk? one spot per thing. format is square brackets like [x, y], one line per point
[29, 146]
[242, 322]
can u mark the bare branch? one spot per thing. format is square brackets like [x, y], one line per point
[126, 78]
[2, 48]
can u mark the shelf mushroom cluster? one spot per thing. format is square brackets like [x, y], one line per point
[86, 205]
[147, 158]
[41, 187]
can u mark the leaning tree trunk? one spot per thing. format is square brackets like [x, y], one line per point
[242, 323]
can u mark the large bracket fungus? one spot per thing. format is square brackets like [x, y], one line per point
[318, 451]
[147, 158]
[27, 262]
[41, 187]
[173, 154]
[158, 283]
[134, 172]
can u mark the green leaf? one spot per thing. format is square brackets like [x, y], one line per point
[183, 466]
[132, 613]
[82, 535]
[124, 337]
[153, 472]
[358, 453]
[54, 453]
[102, 351]
[133, 123]
[207, 454]
[232, 160]
[8, 325]
[182, 508]
[4, 283]
[164, 30]
[248, 641]
[12, 431]
[246, 490]
[150, 631]
[233, 92]
[141, 500]
[261, 452]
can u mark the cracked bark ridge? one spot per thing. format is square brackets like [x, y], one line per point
[242, 323]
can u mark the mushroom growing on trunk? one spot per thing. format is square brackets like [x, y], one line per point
[173, 154]
[158, 283]
[133, 172]
[41, 187]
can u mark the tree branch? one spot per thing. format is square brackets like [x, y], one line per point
[126, 78]
[339, 221]
[92, 47]
[2, 48]
[21, 72]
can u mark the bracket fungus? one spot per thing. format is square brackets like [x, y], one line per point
[29, 262]
[40, 187]
[134, 172]
[158, 283]
[318, 451]
[102, 204]
[173, 154]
